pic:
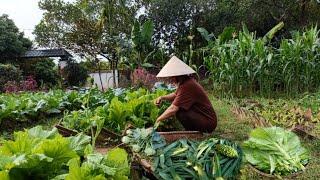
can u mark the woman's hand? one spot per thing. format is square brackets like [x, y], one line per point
[158, 101]
[158, 121]
[171, 111]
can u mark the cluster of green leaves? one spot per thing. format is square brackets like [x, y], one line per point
[30, 105]
[114, 166]
[45, 72]
[310, 100]
[141, 37]
[42, 154]
[289, 117]
[141, 140]
[186, 159]
[245, 64]
[38, 154]
[136, 107]
[276, 151]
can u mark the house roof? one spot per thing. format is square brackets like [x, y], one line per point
[47, 53]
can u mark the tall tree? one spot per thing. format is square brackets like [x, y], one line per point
[89, 27]
[12, 41]
[264, 14]
[173, 19]
[179, 18]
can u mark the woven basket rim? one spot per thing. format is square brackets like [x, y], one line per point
[274, 176]
[181, 132]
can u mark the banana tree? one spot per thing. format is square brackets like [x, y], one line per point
[141, 37]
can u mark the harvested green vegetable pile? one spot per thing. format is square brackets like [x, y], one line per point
[209, 159]
[186, 159]
[276, 151]
[145, 141]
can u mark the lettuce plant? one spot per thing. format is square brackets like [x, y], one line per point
[39, 154]
[276, 151]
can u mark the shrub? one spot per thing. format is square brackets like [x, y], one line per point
[76, 74]
[45, 73]
[8, 72]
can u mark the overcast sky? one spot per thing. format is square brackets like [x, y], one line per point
[25, 14]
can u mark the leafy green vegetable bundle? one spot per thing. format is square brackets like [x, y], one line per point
[209, 159]
[144, 140]
[276, 151]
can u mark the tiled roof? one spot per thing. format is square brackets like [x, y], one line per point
[46, 53]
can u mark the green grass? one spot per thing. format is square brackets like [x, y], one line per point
[232, 128]
[229, 126]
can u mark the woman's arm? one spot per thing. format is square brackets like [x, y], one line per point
[171, 111]
[169, 97]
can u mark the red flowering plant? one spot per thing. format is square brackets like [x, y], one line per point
[11, 87]
[141, 77]
[30, 84]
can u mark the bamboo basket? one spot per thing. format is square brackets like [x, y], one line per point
[145, 164]
[271, 176]
[176, 135]
[303, 133]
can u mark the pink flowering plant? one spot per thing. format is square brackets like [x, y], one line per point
[30, 84]
[141, 77]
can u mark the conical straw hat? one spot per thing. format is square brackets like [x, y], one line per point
[175, 67]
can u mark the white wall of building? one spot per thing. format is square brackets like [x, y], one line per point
[107, 80]
[62, 64]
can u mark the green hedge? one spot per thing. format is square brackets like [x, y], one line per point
[9, 72]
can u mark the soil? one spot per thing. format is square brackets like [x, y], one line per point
[103, 150]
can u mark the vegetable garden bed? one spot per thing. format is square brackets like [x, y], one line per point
[106, 138]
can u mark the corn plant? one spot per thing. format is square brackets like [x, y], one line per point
[247, 64]
[300, 61]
